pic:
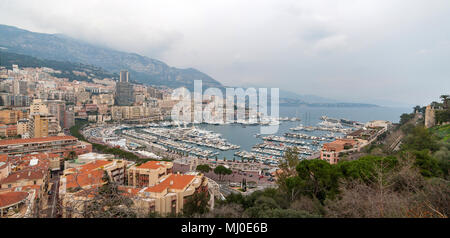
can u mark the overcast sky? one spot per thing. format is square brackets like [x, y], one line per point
[376, 51]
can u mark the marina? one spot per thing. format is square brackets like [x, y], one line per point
[240, 141]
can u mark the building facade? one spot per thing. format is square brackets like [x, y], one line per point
[58, 144]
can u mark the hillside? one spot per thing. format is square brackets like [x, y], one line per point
[62, 48]
[67, 69]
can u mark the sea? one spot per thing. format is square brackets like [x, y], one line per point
[245, 136]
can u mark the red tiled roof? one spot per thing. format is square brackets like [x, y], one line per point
[151, 165]
[339, 144]
[11, 198]
[94, 165]
[87, 174]
[174, 181]
[35, 140]
[3, 158]
[84, 179]
[43, 159]
[24, 174]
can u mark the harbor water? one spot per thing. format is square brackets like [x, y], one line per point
[244, 136]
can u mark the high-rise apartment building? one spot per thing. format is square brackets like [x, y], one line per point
[20, 87]
[38, 126]
[57, 108]
[124, 90]
[43, 125]
[38, 107]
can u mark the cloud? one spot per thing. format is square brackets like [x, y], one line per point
[335, 42]
[362, 48]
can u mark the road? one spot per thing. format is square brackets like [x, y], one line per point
[53, 198]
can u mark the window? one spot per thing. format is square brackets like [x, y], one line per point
[174, 206]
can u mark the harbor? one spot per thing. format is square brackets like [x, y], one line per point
[156, 139]
[240, 142]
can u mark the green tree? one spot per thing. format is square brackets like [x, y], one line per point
[318, 179]
[443, 158]
[405, 117]
[442, 116]
[197, 204]
[364, 168]
[287, 175]
[204, 168]
[429, 166]
[221, 171]
[419, 139]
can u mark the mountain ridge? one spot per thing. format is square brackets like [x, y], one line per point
[64, 48]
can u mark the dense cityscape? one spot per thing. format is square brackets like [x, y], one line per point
[212, 117]
[64, 142]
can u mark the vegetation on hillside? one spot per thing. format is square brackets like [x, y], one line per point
[442, 132]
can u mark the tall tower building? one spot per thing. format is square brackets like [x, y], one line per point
[124, 90]
[124, 76]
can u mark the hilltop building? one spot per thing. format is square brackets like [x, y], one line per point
[331, 151]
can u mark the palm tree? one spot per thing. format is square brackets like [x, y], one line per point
[445, 100]
[417, 109]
